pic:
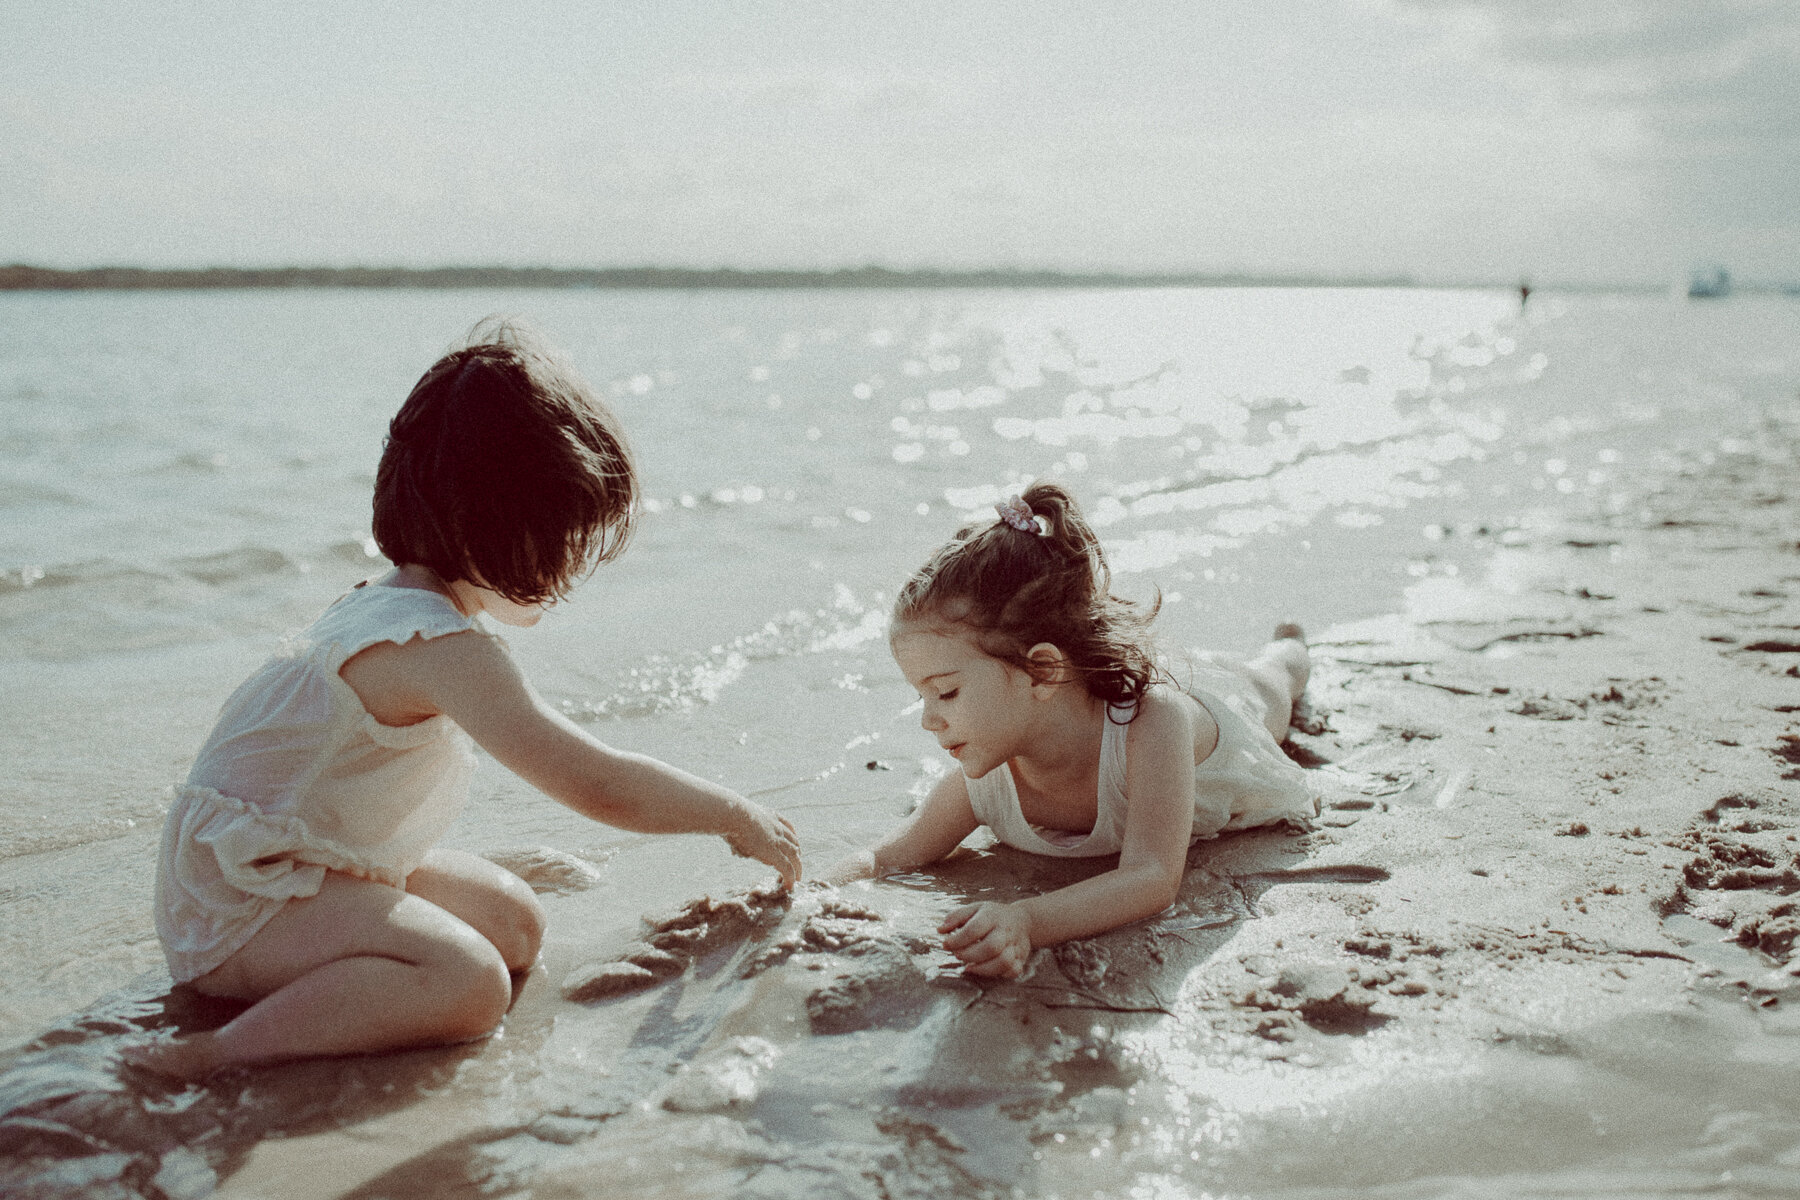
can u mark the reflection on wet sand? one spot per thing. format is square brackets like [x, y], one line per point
[832, 1025]
[845, 1050]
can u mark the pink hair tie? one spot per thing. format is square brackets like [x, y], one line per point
[1015, 512]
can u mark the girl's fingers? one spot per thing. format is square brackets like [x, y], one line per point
[956, 917]
[978, 954]
[1007, 964]
[785, 858]
[784, 850]
[970, 932]
[983, 949]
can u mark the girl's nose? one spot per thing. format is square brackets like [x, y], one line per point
[931, 721]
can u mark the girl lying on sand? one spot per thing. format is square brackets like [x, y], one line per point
[298, 870]
[1073, 740]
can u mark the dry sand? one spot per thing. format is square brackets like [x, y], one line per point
[1538, 943]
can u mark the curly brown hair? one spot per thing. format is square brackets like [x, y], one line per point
[1016, 588]
[503, 468]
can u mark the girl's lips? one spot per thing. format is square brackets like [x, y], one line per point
[956, 750]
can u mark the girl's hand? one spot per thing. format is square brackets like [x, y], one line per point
[992, 939]
[768, 837]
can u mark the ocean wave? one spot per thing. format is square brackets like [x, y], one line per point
[224, 568]
[33, 577]
[52, 830]
[194, 462]
[19, 845]
[664, 683]
[245, 562]
[16, 493]
[108, 605]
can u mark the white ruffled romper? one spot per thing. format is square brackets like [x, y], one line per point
[297, 778]
[1245, 782]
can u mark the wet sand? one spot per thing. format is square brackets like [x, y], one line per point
[1539, 942]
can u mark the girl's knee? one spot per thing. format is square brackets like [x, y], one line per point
[524, 933]
[486, 1005]
[494, 901]
[515, 923]
[476, 991]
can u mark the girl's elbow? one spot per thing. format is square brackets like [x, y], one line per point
[1160, 891]
[893, 862]
[909, 853]
[858, 866]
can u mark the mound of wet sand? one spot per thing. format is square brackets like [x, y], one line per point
[1541, 937]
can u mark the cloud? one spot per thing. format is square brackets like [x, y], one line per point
[1705, 94]
[1612, 139]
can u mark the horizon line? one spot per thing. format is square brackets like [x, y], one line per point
[25, 277]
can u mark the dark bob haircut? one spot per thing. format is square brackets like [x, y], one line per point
[502, 468]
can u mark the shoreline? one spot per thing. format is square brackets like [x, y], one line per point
[1529, 888]
[1539, 942]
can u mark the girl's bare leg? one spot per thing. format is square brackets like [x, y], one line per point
[1280, 672]
[500, 905]
[357, 968]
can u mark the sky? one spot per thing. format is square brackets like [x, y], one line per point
[1575, 141]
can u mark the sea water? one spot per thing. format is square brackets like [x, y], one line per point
[185, 476]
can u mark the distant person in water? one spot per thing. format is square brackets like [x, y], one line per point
[1524, 293]
[298, 868]
[1072, 737]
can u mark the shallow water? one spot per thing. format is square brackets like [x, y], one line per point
[184, 476]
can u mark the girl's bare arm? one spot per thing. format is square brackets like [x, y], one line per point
[1159, 820]
[996, 939]
[470, 678]
[934, 829]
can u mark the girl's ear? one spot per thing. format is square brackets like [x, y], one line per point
[1049, 667]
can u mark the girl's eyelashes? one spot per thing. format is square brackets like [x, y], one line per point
[949, 695]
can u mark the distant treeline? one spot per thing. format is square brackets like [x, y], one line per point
[23, 278]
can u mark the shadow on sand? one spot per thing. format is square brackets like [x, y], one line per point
[76, 1121]
[825, 1043]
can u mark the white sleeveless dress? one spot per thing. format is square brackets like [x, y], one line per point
[297, 778]
[1245, 782]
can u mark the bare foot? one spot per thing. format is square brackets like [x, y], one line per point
[189, 1059]
[1287, 653]
[1306, 720]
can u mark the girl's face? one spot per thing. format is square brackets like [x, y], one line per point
[977, 706]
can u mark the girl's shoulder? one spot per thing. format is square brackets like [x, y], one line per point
[1163, 702]
[1166, 714]
[401, 672]
[371, 613]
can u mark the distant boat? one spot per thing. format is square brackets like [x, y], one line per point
[1709, 282]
